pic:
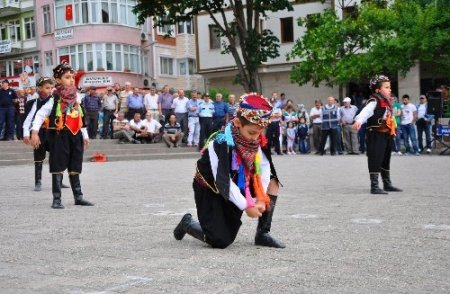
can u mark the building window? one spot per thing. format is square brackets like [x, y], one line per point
[166, 29]
[14, 31]
[96, 11]
[185, 27]
[349, 12]
[287, 29]
[214, 38]
[47, 19]
[30, 32]
[187, 67]
[166, 66]
[103, 56]
[3, 32]
[3, 71]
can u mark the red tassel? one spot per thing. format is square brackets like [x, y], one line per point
[263, 139]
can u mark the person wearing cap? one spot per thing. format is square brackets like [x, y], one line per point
[205, 114]
[110, 108]
[348, 112]
[67, 134]
[235, 173]
[7, 110]
[380, 131]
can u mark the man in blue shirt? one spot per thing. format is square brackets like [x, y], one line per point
[220, 116]
[92, 105]
[135, 104]
[7, 110]
[205, 113]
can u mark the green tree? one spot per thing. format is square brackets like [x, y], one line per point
[247, 42]
[374, 39]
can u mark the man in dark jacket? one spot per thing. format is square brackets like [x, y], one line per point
[7, 110]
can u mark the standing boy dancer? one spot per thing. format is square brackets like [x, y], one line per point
[380, 131]
[67, 134]
[235, 173]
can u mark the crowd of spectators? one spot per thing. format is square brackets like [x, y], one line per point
[150, 115]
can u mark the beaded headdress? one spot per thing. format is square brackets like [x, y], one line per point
[255, 108]
[61, 69]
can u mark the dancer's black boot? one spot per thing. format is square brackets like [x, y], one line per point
[56, 191]
[189, 226]
[387, 184]
[262, 237]
[76, 189]
[37, 176]
[374, 188]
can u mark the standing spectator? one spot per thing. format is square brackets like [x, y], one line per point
[409, 117]
[135, 103]
[124, 96]
[302, 112]
[165, 103]
[152, 129]
[348, 113]
[193, 120]
[179, 106]
[289, 115]
[92, 105]
[20, 112]
[282, 101]
[424, 123]
[220, 116]
[339, 146]
[302, 135]
[397, 113]
[273, 131]
[172, 132]
[122, 130]
[316, 119]
[330, 120]
[291, 133]
[7, 110]
[205, 113]
[362, 131]
[110, 109]
[151, 103]
[232, 107]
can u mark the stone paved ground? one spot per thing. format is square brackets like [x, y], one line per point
[340, 239]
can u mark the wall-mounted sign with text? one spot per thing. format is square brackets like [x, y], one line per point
[5, 46]
[97, 81]
[64, 34]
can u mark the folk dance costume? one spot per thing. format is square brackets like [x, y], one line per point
[66, 132]
[379, 133]
[231, 173]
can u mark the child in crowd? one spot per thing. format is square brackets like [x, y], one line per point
[378, 113]
[291, 133]
[235, 173]
[302, 135]
[67, 134]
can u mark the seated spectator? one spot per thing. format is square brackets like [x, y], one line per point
[122, 131]
[172, 132]
[137, 126]
[151, 132]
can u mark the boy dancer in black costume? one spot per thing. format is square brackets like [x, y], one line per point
[380, 131]
[235, 173]
[67, 134]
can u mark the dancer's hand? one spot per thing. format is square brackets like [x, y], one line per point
[86, 143]
[253, 212]
[35, 141]
[26, 140]
[357, 125]
[260, 205]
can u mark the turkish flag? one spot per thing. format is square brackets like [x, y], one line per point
[69, 12]
[64, 58]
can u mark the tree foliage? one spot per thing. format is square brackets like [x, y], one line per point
[376, 39]
[247, 42]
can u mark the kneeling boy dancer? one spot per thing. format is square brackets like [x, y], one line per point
[235, 173]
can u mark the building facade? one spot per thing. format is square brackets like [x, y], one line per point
[19, 55]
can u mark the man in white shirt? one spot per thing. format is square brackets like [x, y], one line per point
[424, 123]
[137, 126]
[151, 132]
[348, 113]
[179, 106]
[315, 116]
[407, 123]
[151, 103]
[110, 105]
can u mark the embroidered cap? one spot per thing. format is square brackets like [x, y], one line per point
[61, 69]
[43, 80]
[255, 108]
[376, 81]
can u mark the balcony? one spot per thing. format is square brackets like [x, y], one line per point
[12, 7]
